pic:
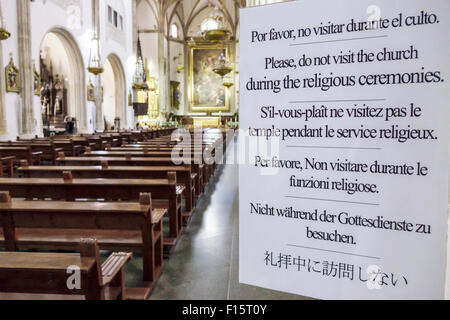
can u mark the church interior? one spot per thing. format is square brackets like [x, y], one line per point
[96, 96]
[91, 94]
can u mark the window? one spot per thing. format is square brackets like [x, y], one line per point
[174, 31]
[109, 14]
[115, 19]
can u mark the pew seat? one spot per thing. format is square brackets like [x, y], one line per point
[59, 225]
[47, 273]
[163, 191]
[21, 153]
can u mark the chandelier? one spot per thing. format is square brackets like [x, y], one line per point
[4, 34]
[223, 67]
[140, 87]
[213, 28]
[228, 81]
[94, 65]
[139, 77]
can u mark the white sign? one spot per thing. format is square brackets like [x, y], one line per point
[355, 97]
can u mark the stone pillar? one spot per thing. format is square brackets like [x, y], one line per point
[99, 121]
[161, 73]
[99, 117]
[25, 67]
[187, 95]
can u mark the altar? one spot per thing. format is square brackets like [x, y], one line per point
[206, 122]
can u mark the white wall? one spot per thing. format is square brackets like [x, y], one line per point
[12, 107]
[109, 85]
[75, 17]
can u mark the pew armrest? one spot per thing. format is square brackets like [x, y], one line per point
[158, 214]
[113, 265]
[180, 189]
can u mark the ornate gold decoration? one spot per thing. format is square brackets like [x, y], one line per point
[222, 70]
[12, 76]
[36, 82]
[4, 34]
[214, 28]
[193, 106]
[95, 71]
[90, 92]
[180, 66]
[228, 80]
[216, 35]
[223, 67]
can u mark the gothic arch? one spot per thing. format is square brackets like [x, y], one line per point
[120, 88]
[77, 86]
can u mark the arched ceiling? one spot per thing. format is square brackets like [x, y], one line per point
[185, 11]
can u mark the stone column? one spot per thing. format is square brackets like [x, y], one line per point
[99, 121]
[99, 118]
[25, 66]
[187, 97]
[161, 71]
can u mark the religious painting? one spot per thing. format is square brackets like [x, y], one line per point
[207, 93]
[90, 92]
[12, 77]
[175, 94]
[36, 82]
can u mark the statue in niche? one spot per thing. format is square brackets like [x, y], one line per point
[57, 108]
[53, 92]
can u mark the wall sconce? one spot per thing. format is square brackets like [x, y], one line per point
[180, 66]
[4, 34]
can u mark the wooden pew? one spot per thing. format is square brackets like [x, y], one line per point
[21, 153]
[144, 153]
[57, 225]
[68, 146]
[184, 175]
[7, 166]
[47, 273]
[196, 157]
[165, 192]
[199, 169]
[49, 151]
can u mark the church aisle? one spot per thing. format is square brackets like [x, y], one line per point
[199, 267]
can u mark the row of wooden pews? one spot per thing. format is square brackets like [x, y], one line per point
[125, 192]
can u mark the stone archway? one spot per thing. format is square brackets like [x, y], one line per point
[75, 78]
[114, 83]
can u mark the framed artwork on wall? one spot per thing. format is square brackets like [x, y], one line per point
[207, 93]
[12, 77]
[90, 92]
[36, 82]
[175, 94]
